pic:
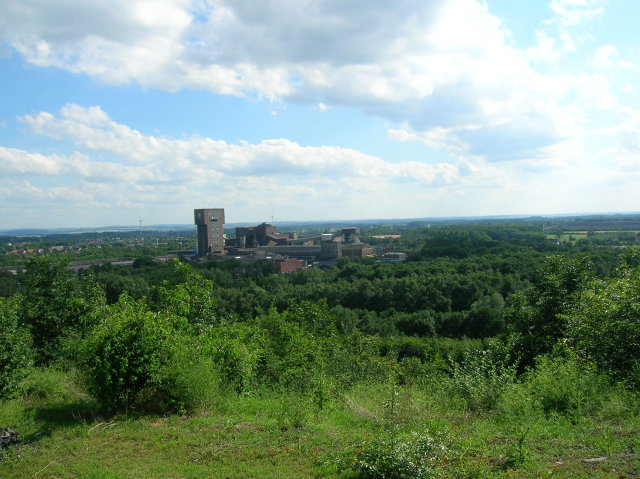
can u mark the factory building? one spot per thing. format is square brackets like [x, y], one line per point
[210, 224]
[346, 244]
[262, 235]
[264, 239]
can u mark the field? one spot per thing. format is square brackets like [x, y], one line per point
[578, 235]
[286, 435]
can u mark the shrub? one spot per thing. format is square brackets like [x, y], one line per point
[192, 298]
[481, 378]
[132, 357]
[414, 456]
[294, 350]
[235, 350]
[558, 386]
[188, 382]
[16, 353]
[537, 319]
[356, 358]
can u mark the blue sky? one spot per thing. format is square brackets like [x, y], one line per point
[112, 112]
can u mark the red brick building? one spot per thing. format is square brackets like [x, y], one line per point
[288, 265]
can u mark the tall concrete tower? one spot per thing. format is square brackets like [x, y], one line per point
[210, 223]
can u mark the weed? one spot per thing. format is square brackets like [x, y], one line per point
[481, 378]
[100, 473]
[517, 453]
[292, 414]
[558, 386]
[413, 456]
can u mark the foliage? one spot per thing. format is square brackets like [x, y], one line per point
[16, 353]
[558, 385]
[52, 386]
[54, 303]
[192, 298]
[129, 357]
[9, 284]
[604, 326]
[537, 320]
[481, 377]
[431, 295]
[412, 456]
[116, 283]
[286, 370]
[295, 345]
[190, 381]
[235, 349]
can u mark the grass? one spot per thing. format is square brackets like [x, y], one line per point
[286, 435]
[256, 440]
[572, 236]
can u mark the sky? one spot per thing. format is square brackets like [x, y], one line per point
[123, 111]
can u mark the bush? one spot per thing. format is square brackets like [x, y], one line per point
[235, 350]
[558, 386]
[481, 378]
[296, 345]
[192, 298]
[187, 383]
[137, 358]
[16, 353]
[55, 304]
[413, 456]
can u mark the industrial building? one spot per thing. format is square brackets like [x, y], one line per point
[210, 224]
[289, 265]
[262, 235]
[263, 240]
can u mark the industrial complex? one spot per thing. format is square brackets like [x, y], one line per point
[288, 250]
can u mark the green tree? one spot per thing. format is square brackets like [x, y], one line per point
[192, 298]
[16, 353]
[296, 344]
[604, 325]
[537, 320]
[9, 284]
[54, 303]
[485, 317]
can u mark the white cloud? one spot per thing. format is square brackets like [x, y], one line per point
[199, 160]
[550, 48]
[414, 61]
[573, 12]
[608, 56]
[116, 166]
[453, 81]
[562, 34]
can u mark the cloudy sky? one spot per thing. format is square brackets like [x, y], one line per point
[112, 112]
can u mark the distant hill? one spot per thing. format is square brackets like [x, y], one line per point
[575, 220]
[101, 229]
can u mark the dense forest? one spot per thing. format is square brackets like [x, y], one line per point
[492, 347]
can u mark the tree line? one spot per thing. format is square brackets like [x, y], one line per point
[157, 334]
